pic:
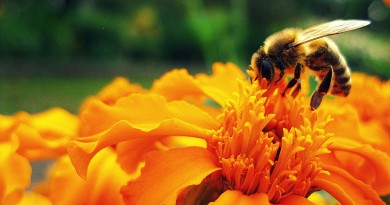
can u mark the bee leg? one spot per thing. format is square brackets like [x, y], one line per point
[296, 90]
[280, 75]
[321, 91]
[295, 80]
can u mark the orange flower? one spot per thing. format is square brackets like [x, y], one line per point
[24, 138]
[120, 87]
[260, 149]
[64, 186]
[368, 99]
[177, 84]
[42, 136]
[15, 172]
[360, 120]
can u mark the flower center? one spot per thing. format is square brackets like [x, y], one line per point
[253, 161]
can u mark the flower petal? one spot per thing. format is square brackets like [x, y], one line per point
[345, 188]
[34, 198]
[334, 189]
[178, 84]
[34, 146]
[143, 111]
[222, 84]
[55, 121]
[362, 161]
[119, 87]
[83, 149]
[238, 198]
[295, 199]
[15, 172]
[167, 172]
[131, 152]
[43, 135]
[102, 185]
[347, 124]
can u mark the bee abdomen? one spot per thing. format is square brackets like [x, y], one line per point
[324, 54]
[342, 79]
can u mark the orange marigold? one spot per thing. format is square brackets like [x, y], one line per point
[362, 118]
[43, 135]
[64, 186]
[258, 147]
[15, 172]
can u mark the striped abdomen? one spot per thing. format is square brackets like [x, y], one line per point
[323, 55]
[341, 78]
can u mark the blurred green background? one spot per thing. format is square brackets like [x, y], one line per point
[57, 52]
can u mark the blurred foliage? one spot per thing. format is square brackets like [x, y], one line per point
[38, 94]
[98, 38]
[196, 31]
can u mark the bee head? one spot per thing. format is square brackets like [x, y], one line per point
[266, 69]
[263, 65]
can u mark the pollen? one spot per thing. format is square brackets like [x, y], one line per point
[255, 159]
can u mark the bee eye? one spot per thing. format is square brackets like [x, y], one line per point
[267, 70]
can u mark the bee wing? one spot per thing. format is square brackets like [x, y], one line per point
[328, 29]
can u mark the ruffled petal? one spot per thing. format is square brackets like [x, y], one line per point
[7, 126]
[15, 172]
[143, 111]
[43, 135]
[131, 153]
[362, 161]
[102, 185]
[167, 172]
[345, 188]
[83, 149]
[54, 122]
[178, 84]
[35, 147]
[118, 88]
[347, 124]
[222, 84]
[238, 198]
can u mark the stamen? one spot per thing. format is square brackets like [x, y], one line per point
[265, 153]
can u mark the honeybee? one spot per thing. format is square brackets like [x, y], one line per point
[292, 50]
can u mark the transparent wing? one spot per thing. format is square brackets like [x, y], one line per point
[328, 29]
